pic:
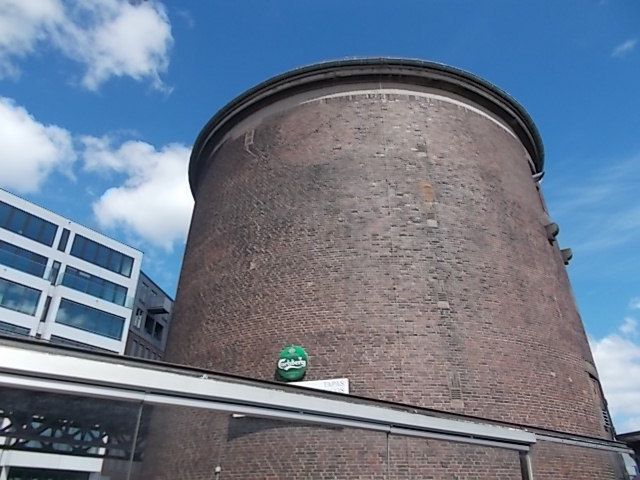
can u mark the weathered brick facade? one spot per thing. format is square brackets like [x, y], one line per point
[394, 229]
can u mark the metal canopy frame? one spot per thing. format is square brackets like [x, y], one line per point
[64, 371]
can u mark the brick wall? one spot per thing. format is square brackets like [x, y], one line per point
[400, 239]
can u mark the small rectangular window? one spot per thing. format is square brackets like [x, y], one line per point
[148, 325]
[157, 331]
[45, 310]
[55, 269]
[64, 238]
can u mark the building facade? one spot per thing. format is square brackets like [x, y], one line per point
[62, 282]
[150, 321]
[386, 215]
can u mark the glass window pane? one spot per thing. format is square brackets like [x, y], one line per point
[90, 251]
[18, 221]
[115, 262]
[48, 233]
[78, 246]
[5, 210]
[33, 227]
[18, 297]
[103, 256]
[90, 319]
[127, 265]
[120, 295]
[64, 238]
[22, 259]
[95, 286]
[68, 437]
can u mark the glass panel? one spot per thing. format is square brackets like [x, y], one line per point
[95, 286]
[64, 238]
[55, 270]
[157, 332]
[33, 228]
[22, 259]
[18, 221]
[148, 324]
[127, 265]
[49, 233]
[18, 297]
[90, 251]
[48, 436]
[77, 247]
[90, 319]
[5, 210]
[26, 224]
[102, 256]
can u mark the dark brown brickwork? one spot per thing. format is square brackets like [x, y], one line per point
[400, 238]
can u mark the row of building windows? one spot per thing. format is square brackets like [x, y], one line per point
[102, 256]
[22, 259]
[35, 264]
[23, 299]
[27, 225]
[93, 285]
[43, 231]
[90, 319]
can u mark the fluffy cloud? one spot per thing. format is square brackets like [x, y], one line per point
[618, 360]
[110, 38]
[22, 25]
[30, 150]
[154, 201]
[624, 48]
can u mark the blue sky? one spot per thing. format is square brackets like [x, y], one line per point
[101, 100]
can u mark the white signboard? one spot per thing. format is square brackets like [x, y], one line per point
[340, 385]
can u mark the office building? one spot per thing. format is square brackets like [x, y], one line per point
[150, 321]
[62, 282]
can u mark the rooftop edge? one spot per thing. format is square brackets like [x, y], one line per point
[410, 71]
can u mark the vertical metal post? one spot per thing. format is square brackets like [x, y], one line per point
[134, 442]
[525, 466]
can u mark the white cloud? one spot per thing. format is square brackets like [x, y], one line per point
[618, 362]
[22, 25]
[110, 38]
[30, 150]
[630, 326]
[154, 202]
[634, 303]
[624, 48]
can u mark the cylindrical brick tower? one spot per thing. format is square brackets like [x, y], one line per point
[387, 216]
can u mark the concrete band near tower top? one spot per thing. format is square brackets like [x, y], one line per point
[372, 71]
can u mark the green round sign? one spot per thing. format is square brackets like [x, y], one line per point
[292, 363]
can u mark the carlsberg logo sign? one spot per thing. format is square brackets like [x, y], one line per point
[292, 363]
